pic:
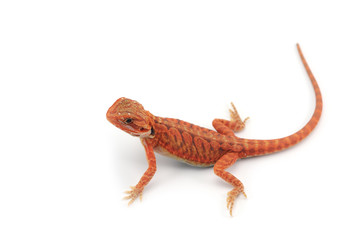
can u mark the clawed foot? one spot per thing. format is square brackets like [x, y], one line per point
[232, 195]
[133, 194]
[236, 118]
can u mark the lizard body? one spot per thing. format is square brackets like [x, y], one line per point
[200, 146]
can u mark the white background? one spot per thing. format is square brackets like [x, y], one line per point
[64, 168]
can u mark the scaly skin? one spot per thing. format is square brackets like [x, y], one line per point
[200, 146]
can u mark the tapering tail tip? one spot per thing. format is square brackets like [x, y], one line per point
[261, 147]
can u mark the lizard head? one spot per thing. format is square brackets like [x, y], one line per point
[131, 117]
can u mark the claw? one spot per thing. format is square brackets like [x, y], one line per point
[133, 194]
[230, 202]
[234, 113]
[235, 116]
[244, 194]
[247, 118]
[232, 195]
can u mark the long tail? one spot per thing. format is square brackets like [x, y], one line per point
[261, 147]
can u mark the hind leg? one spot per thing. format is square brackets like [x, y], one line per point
[220, 167]
[227, 127]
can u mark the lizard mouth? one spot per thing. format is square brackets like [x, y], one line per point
[149, 133]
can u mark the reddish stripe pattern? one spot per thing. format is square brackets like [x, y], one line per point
[201, 146]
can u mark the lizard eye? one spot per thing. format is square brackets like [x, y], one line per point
[128, 120]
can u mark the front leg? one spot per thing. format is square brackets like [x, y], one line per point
[147, 176]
